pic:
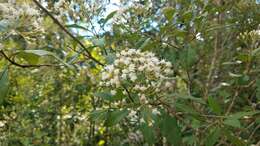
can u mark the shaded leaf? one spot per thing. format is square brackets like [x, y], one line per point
[239, 115]
[171, 130]
[188, 97]
[98, 115]
[148, 133]
[233, 139]
[258, 89]
[213, 137]
[116, 116]
[232, 122]
[145, 44]
[4, 84]
[214, 105]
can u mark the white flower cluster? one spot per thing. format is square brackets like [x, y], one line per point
[134, 137]
[64, 8]
[20, 14]
[142, 72]
[250, 34]
[2, 124]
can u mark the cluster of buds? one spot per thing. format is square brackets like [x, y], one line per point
[16, 14]
[251, 34]
[142, 72]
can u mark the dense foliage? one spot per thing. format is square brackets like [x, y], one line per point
[148, 72]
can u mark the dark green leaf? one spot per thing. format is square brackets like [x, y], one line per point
[76, 26]
[214, 105]
[170, 129]
[232, 122]
[239, 115]
[188, 97]
[104, 95]
[148, 133]
[98, 115]
[233, 139]
[116, 116]
[213, 137]
[4, 84]
[145, 44]
[258, 89]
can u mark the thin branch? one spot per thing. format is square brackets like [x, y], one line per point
[67, 32]
[128, 93]
[254, 131]
[25, 65]
[232, 102]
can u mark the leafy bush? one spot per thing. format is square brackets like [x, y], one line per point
[148, 72]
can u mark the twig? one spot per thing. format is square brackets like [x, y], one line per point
[254, 131]
[128, 93]
[232, 102]
[67, 32]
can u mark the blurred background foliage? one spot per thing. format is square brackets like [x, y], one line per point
[48, 80]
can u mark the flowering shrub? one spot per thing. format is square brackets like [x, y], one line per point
[98, 92]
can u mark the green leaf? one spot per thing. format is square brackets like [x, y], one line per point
[4, 84]
[3, 25]
[116, 116]
[29, 57]
[169, 13]
[145, 44]
[110, 58]
[104, 95]
[239, 115]
[214, 105]
[148, 133]
[255, 52]
[109, 16]
[146, 113]
[170, 129]
[233, 139]
[258, 89]
[188, 57]
[99, 42]
[187, 16]
[38, 52]
[76, 26]
[98, 115]
[33, 56]
[232, 122]
[213, 137]
[185, 108]
[188, 97]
